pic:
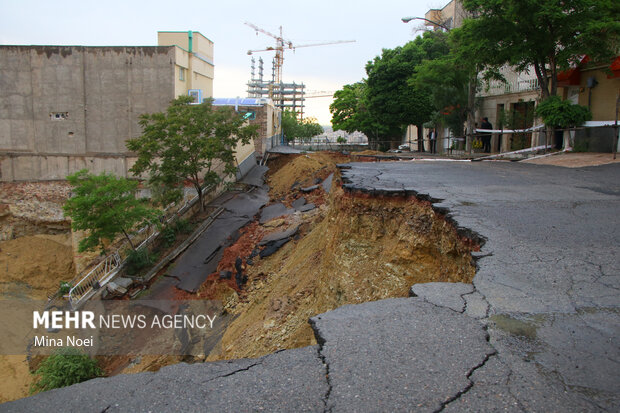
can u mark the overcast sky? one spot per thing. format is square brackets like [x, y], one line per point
[373, 24]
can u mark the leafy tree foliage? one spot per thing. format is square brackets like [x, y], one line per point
[65, 367]
[562, 113]
[387, 102]
[350, 112]
[546, 35]
[105, 205]
[299, 129]
[390, 97]
[194, 143]
[446, 80]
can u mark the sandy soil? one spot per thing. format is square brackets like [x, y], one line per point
[351, 250]
[576, 160]
[30, 267]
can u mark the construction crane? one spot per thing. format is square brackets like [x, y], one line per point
[281, 45]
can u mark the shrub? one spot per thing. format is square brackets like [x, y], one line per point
[182, 226]
[138, 259]
[65, 367]
[65, 287]
[561, 113]
[168, 235]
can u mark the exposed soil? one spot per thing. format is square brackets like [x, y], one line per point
[350, 249]
[30, 267]
[290, 173]
[32, 208]
[361, 249]
[33, 266]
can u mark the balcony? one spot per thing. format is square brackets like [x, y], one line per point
[496, 88]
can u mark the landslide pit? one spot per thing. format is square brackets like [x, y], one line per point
[35, 255]
[353, 248]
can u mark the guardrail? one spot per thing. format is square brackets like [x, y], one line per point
[95, 279]
[85, 286]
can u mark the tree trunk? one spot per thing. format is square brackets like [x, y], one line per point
[471, 111]
[420, 129]
[129, 239]
[200, 195]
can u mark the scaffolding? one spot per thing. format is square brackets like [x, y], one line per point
[286, 96]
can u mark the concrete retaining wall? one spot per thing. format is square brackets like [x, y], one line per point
[63, 108]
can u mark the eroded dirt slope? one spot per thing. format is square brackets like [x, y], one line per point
[355, 249]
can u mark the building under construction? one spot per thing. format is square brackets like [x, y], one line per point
[286, 96]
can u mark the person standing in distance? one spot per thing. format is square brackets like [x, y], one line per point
[486, 137]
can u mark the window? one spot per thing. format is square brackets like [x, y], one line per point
[182, 73]
[196, 94]
[59, 115]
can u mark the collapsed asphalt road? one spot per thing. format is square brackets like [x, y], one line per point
[539, 329]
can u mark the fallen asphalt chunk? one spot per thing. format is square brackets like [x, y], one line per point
[327, 183]
[273, 211]
[307, 207]
[276, 236]
[298, 203]
[273, 247]
[309, 188]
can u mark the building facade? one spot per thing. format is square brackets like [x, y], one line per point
[65, 108]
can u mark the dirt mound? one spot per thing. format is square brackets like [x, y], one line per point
[368, 152]
[363, 249]
[301, 171]
[33, 266]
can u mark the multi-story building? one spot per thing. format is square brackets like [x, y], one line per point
[511, 104]
[64, 108]
[194, 67]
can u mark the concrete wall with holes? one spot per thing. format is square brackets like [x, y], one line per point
[63, 108]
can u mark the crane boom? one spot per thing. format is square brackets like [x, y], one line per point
[324, 43]
[281, 44]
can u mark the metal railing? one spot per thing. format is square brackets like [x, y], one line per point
[94, 279]
[85, 286]
[496, 87]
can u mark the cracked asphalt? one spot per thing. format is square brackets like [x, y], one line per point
[538, 330]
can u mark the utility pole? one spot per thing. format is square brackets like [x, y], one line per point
[615, 148]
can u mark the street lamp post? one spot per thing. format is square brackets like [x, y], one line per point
[408, 19]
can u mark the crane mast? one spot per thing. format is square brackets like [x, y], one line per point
[277, 90]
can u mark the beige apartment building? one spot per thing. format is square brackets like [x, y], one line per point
[194, 67]
[594, 85]
[64, 108]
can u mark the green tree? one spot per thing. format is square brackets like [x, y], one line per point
[299, 129]
[194, 143]
[65, 367]
[544, 35]
[350, 112]
[391, 97]
[105, 205]
[446, 79]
